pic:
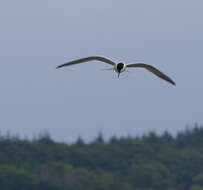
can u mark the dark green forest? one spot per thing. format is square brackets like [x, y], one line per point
[150, 162]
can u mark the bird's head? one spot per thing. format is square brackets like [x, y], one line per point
[120, 67]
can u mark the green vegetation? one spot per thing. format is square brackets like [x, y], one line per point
[150, 162]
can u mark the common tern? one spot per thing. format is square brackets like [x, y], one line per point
[120, 67]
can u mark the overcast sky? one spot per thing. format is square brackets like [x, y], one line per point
[36, 36]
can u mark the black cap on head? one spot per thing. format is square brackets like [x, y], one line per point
[120, 67]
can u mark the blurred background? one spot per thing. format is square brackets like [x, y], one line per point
[36, 36]
[82, 127]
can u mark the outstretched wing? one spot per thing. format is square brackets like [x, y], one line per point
[153, 70]
[86, 59]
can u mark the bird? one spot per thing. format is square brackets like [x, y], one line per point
[120, 67]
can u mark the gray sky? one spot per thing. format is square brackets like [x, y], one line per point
[36, 36]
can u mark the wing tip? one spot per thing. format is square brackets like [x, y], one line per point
[172, 82]
[59, 66]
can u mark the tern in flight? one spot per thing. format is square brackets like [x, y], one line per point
[120, 67]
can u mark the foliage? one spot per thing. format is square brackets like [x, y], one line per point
[150, 162]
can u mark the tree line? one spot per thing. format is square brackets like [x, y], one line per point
[149, 162]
